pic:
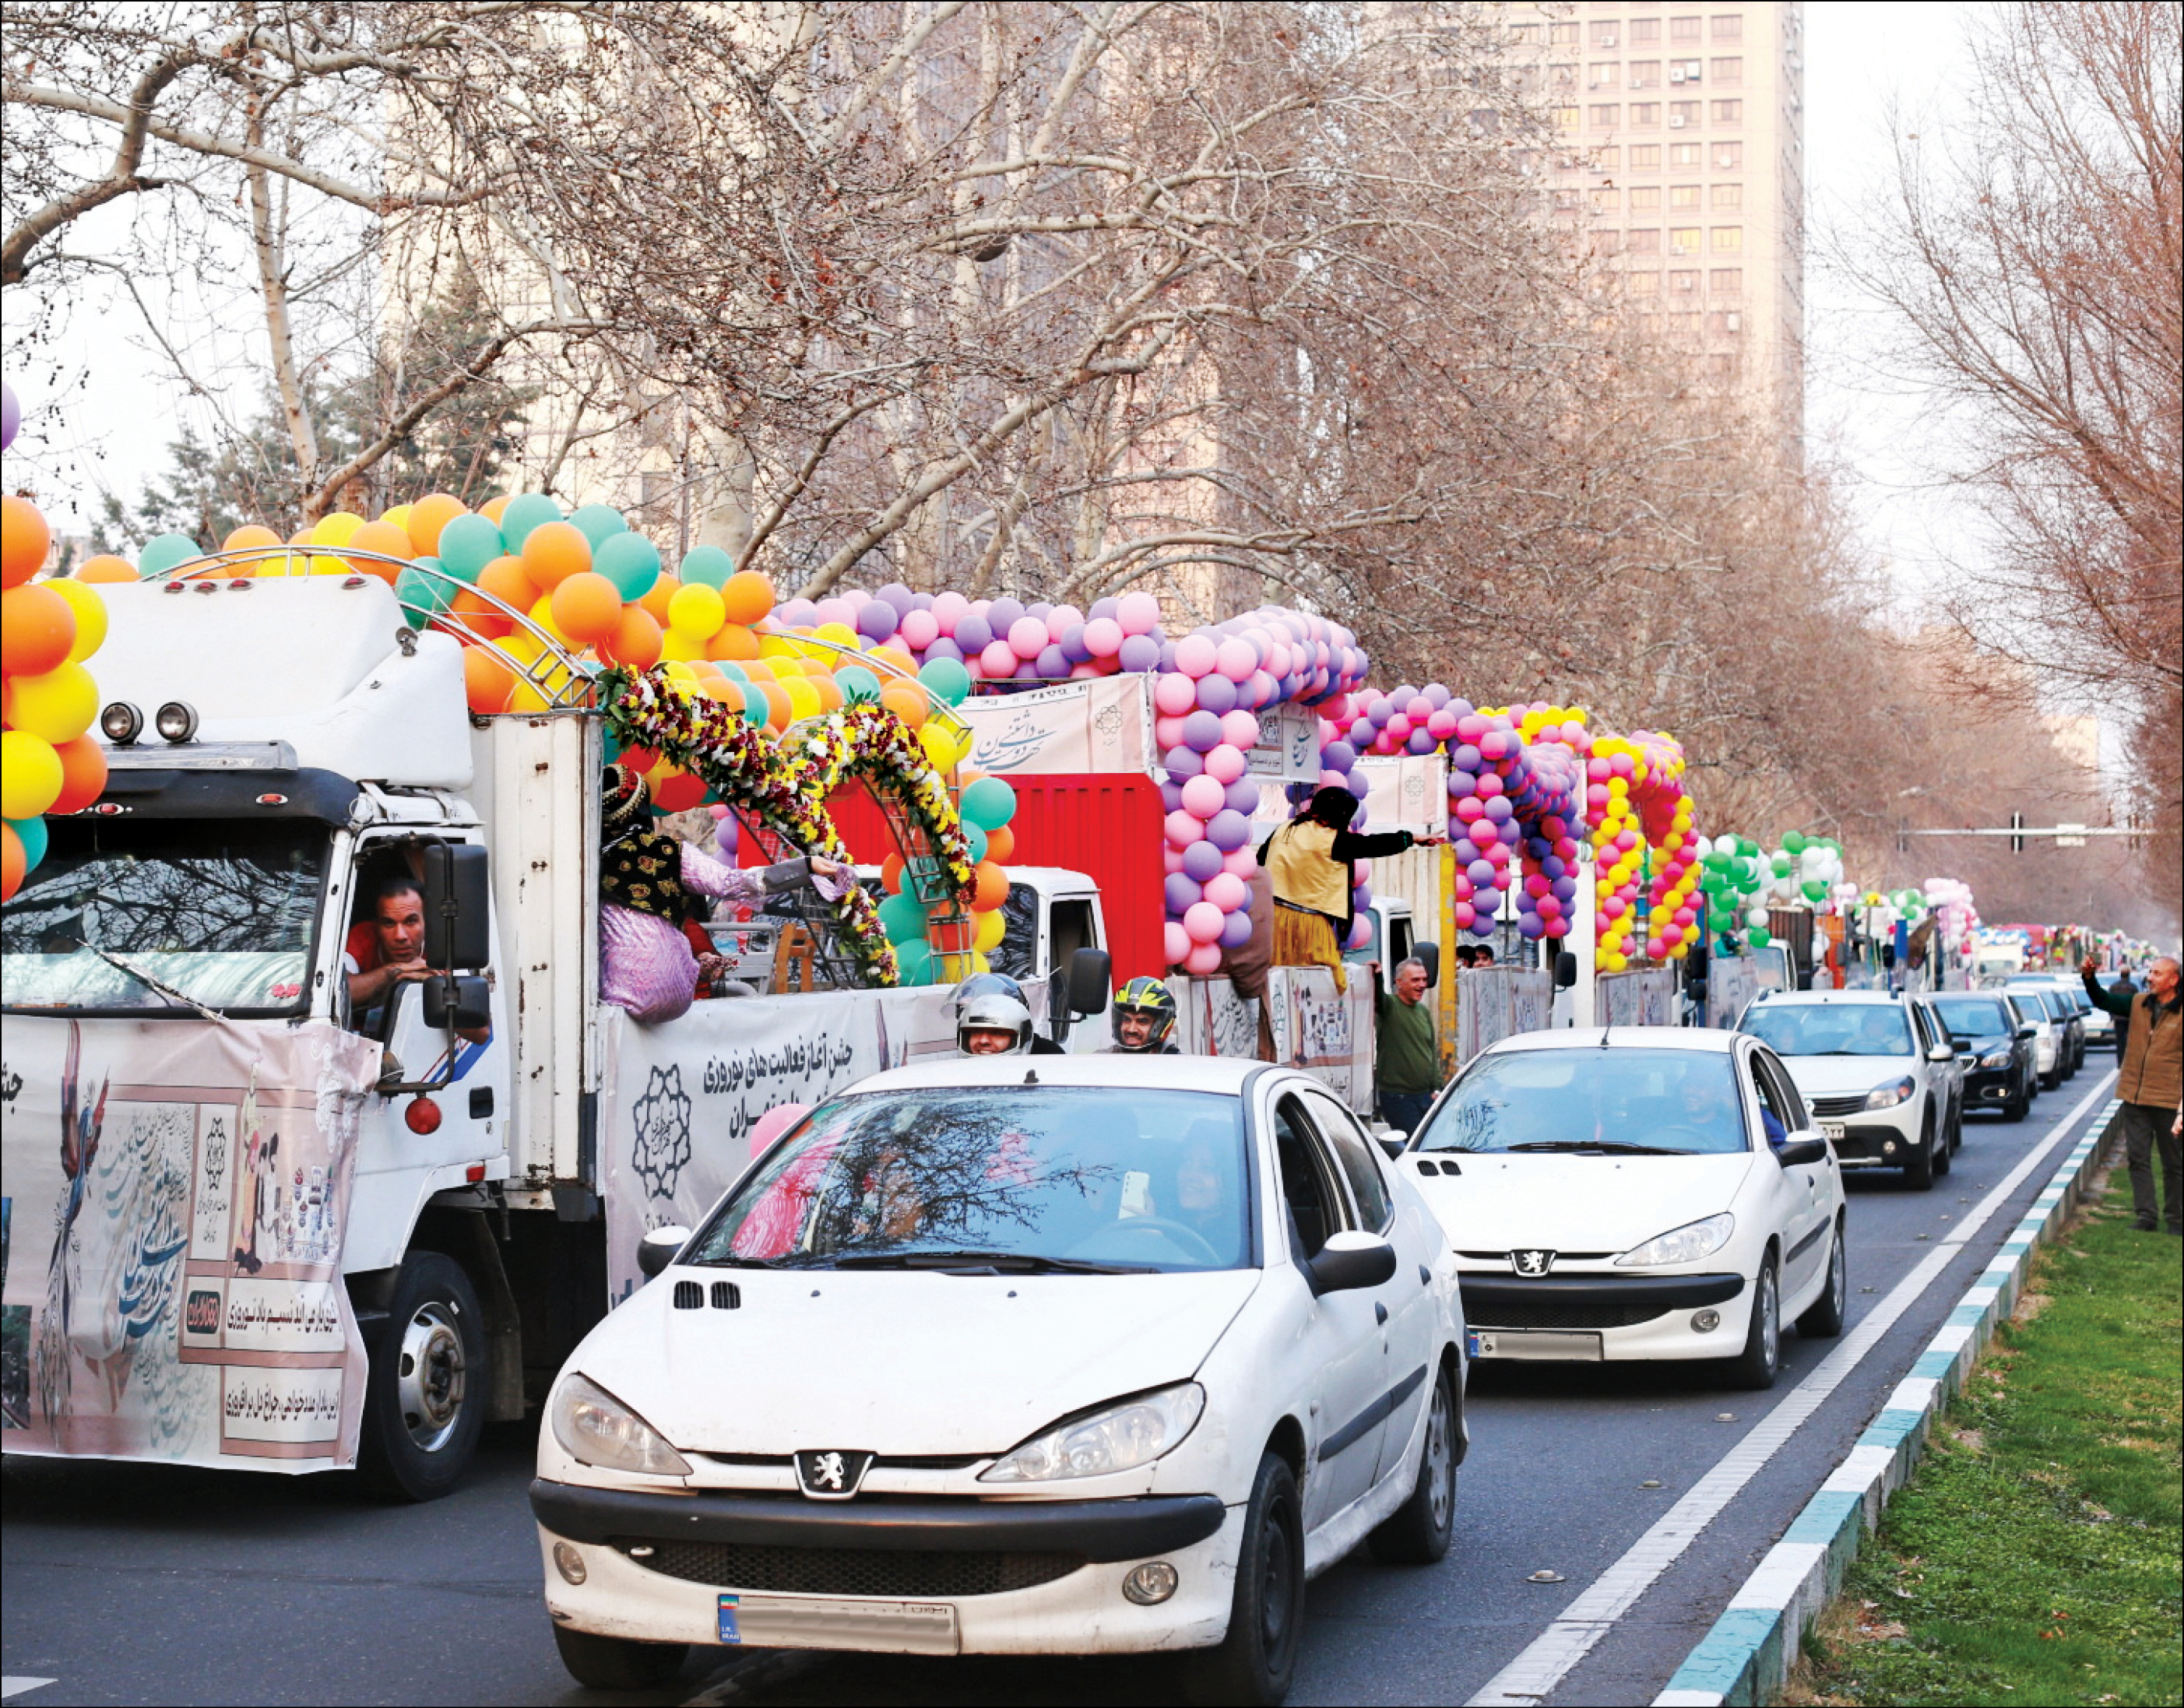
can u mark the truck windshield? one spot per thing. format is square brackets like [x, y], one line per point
[165, 913]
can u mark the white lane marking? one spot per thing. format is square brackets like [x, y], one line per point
[1528, 1679]
[11, 1685]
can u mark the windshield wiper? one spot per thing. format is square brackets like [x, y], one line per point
[1613, 1146]
[990, 1262]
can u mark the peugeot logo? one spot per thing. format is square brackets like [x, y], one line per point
[1531, 1262]
[832, 1474]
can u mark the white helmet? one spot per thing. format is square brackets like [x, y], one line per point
[991, 1002]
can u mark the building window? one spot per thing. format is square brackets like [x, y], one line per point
[1644, 30]
[1604, 33]
[1611, 243]
[1728, 196]
[1725, 323]
[1729, 111]
[1729, 156]
[1684, 325]
[1683, 29]
[1721, 367]
[1565, 201]
[1684, 284]
[1647, 199]
[1485, 122]
[1726, 281]
[1643, 242]
[1607, 201]
[1645, 157]
[1682, 116]
[1728, 240]
[1565, 118]
[1524, 35]
[1683, 195]
[1562, 76]
[1607, 114]
[1646, 116]
[1649, 325]
[1607, 157]
[1683, 70]
[1644, 284]
[1601, 75]
[1729, 26]
[1729, 73]
[1562, 35]
[1683, 240]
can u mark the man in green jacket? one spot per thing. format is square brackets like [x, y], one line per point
[1407, 1060]
[2150, 1082]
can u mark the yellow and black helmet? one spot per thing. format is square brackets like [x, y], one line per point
[1149, 997]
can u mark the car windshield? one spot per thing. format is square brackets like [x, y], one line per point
[1972, 1016]
[1009, 1179]
[215, 913]
[1815, 1028]
[1624, 1102]
[2044, 1001]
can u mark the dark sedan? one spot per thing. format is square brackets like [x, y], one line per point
[1994, 1043]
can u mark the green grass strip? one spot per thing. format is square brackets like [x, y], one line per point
[2035, 1557]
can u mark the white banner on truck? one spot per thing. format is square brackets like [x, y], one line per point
[189, 1307]
[1406, 792]
[1328, 1034]
[1493, 1002]
[1732, 981]
[1646, 997]
[1101, 724]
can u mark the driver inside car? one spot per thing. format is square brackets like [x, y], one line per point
[1708, 1106]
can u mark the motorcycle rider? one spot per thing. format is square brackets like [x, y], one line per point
[1144, 1020]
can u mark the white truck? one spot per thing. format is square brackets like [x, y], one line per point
[272, 1236]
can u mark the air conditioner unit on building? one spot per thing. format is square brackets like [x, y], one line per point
[1676, 122]
[1605, 42]
[1676, 73]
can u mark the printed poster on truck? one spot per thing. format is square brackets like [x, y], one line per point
[1493, 1002]
[1100, 723]
[170, 1240]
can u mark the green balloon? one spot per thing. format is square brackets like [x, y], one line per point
[1794, 842]
[754, 706]
[1781, 864]
[596, 522]
[630, 561]
[1759, 936]
[977, 838]
[523, 513]
[33, 835]
[468, 544]
[857, 683]
[902, 919]
[913, 962]
[1814, 889]
[423, 597]
[163, 554]
[707, 565]
[990, 803]
[948, 680]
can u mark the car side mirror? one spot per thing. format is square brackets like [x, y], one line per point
[2026, 1032]
[1798, 1151]
[1349, 1261]
[464, 1002]
[1941, 1052]
[1427, 956]
[1565, 969]
[457, 884]
[1395, 1143]
[661, 1248]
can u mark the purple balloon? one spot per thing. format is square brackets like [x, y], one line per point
[1338, 756]
[1003, 612]
[876, 619]
[1182, 763]
[1228, 830]
[1242, 797]
[1362, 897]
[1201, 731]
[1139, 653]
[921, 602]
[1500, 811]
[1437, 693]
[1041, 608]
[1464, 757]
[944, 648]
[1217, 693]
[1053, 662]
[1200, 861]
[1101, 607]
[11, 416]
[1167, 655]
[1466, 850]
[1562, 889]
[1172, 799]
[899, 596]
[1356, 783]
[973, 633]
[1420, 743]
[1236, 929]
[1480, 871]
[1179, 891]
[1027, 671]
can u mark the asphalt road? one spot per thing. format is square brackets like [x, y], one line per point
[137, 1584]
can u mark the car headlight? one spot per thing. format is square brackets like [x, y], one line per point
[1685, 1244]
[596, 1428]
[1120, 1437]
[1894, 1092]
[1995, 1057]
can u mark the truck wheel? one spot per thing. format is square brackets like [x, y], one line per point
[1255, 1661]
[618, 1663]
[1416, 1532]
[424, 1400]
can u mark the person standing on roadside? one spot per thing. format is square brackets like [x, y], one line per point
[2126, 987]
[1407, 1060]
[2150, 1082]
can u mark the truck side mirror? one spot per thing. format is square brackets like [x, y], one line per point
[465, 1003]
[1090, 971]
[457, 881]
[1428, 954]
[1565, 969]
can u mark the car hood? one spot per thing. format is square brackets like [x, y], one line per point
[1838, 1075]
[900, 1362]
[1572, 1204]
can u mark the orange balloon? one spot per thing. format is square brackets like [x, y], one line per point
[1002, 845]
[906, 703]
[721, 689]
[38, 627]
[492, 507]
[989, 886]
[428, 515]
[14, 857]
[385, 538]
[636, 640]
[777, 705]
[663, 590]
[106, 567]
[487, 682]
[23, 539]
[252, 536]
[831, 697]
[891, 874]
[748, 595]
[587, 607]
[503, 578]
[734, 642]
[83, 774]
[555, 551]
[894, 655]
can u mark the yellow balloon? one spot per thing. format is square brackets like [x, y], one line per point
[542, 614]
[803, 699]
[338, 529]
[993, 926]
[31, 776]
[677, 647]
[840, 633]
[90, 615]
[58, 706]
[399, 516]
[679, 671]
[939, 746]
[698, 610]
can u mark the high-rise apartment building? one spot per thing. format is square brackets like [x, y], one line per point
[1683, 168]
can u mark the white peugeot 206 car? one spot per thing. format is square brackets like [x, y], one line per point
[1635, 1192]
[1027, 1355]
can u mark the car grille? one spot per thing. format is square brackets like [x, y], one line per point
[1549, 1313]
[914, 1573]
[1834, 1108]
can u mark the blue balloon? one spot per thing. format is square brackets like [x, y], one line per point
[630, 561]
[35, 838]
[596, 522]
[707, 565]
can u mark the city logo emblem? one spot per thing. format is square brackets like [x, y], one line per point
[1531, 1262]
[832, 1474]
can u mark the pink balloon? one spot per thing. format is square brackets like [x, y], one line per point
[998, 659]
[1202, 921]
[775, 1122]
[1077, 673]
[1225, 764]
[1103, 638]
[1175, 693]
[1227, 891]
[717, 811]
[919, 630]
[1060, 619]
[1398, 728]
[1167, 732]
[1235, 659]
[1440, 725]
[1243, 861]
[1175, 942]
[1470, 809]
[1027, 638]
[1204, 959]
[1184, 828]
[1138, 613]
[1171, 858]
[947, 608]
[1202, 795]
[1195, 656]
[1239, 729]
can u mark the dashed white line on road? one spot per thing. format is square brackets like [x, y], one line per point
[11, 1686]
[1531, 1678]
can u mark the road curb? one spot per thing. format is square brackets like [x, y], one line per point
[1746, 1657]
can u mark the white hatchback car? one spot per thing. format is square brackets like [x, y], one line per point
[1635, 1192]
[1051, 1355]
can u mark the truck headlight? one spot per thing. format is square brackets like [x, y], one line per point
[1119, 1436]
[1685, 1244]
[1894, 1092]
[595, 1428]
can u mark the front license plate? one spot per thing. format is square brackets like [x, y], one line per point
[1832, 1129]
[1478, 1345]
[1550, 1345]
[797, 1621]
